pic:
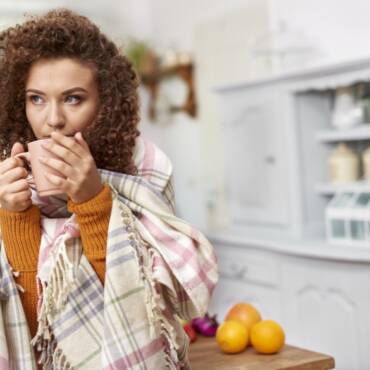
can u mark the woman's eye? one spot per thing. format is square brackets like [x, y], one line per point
[73, 99]
[36, 99]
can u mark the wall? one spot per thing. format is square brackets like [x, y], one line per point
[334, 30]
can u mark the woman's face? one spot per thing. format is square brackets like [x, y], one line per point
[61, 95]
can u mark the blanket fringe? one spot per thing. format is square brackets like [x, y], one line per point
[54, 296]
[157, 320]
[60, 283]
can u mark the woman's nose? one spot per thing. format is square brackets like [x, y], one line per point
[55, 117]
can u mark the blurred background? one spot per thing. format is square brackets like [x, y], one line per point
[227, 41]
[263, 108]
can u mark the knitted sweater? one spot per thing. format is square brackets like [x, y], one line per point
[21, 234]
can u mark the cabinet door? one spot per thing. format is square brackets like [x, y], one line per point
[327, 310]
[231, 291]
[254, 135]
[249, 276]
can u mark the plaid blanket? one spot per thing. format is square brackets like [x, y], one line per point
[158, 268]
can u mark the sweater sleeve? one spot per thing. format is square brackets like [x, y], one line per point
[21, 234]
[93, 218]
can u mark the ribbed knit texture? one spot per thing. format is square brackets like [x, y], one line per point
[21, 233]
[93, 218]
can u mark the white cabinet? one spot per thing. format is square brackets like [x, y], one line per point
[323, 304]
[328, 309]
[278, 136]
[252, 277]
[253, 131]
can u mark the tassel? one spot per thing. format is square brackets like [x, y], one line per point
[144, 255]
[54, 296]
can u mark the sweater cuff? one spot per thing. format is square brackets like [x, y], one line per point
[102, 202]
[22, 236]
[93, 218]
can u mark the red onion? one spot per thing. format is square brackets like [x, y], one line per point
[206, 325]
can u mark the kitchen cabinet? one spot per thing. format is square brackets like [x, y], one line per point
[277, 139]
[255, 156]
[319, 296]
[258, 272]
[327, 308]
[274, 253]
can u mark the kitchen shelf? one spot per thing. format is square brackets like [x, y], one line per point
[361, 132]
[182, 71]
[330, 189]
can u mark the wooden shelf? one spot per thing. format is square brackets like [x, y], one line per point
[330, 189]
[361, 132]
[183, 71]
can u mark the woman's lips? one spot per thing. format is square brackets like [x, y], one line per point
[49, 136]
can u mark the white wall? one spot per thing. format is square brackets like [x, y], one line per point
[109, 15]
[337, 30]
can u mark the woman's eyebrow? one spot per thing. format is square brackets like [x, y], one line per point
[66, 92]
[74, 89]
[35, 91]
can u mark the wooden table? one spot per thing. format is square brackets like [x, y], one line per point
[205, 355]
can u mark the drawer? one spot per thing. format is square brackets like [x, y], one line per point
[249, 267]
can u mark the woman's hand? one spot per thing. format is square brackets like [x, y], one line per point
[15, 193]
[82, 179]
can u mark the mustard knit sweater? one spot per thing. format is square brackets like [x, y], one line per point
[21, 233]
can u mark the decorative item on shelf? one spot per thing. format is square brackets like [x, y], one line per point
[179, 66]
[285, 47]
[344, 165]
[366, 163]
[347, 111]
[142, 56]
[153, 70]
[362, 95]
[348, 219]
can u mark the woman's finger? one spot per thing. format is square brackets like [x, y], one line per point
[62, 167]
[7, 165]
[58, 181]
[13, 175]
[69, 142]
[22, 196]
[63, 153]
[78, 136]
[17, 148]
[17, 186]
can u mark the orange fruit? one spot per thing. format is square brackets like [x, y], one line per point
[232, 336]
[244, 313]
[267, 336]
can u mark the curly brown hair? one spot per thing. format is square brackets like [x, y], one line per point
[61, 33]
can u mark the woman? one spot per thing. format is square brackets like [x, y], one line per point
[104, 270]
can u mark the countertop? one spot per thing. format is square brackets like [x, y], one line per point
[311, 248]
[205, 355]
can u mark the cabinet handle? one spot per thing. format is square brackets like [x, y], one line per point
[270, 159]
[237, 272]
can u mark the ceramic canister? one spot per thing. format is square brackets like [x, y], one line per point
[343, 164]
